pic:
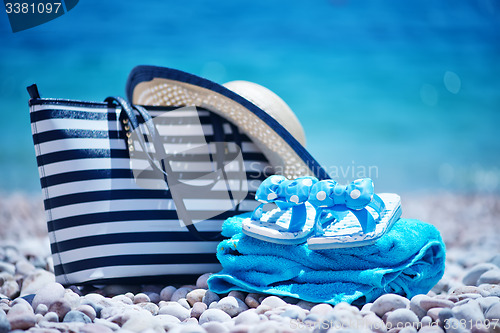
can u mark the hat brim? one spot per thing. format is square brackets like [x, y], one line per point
[161, 86]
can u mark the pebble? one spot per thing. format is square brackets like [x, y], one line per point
[4, 323]
[76, 316]
[129, 295]
[115, 289]
[141, 321]
[60, 307]
[493, 312]
[273, 302]
[426, 321]
[294, 312]
[189, 328]
[123, 299]
[471, 312]
[141, 298]
[166, 293]
[41, 309]
[11, 254]
[389, 302]
[467, 297]
[465, 290]
[103, 322]
[322, 309]
[35, 281]
[431, 329]
[214, 315]
[95, 328]
[24, 267]
[365, 309]
[402, 318]
[233, 306]
[210, 297]
[176, 310]
[21, 317]
[88, 310]
[455, 326]
[429, 303]
[345, 317]
[184, 303]
[195, 296]
[415, 305]
[48, 294]
[266, 327]
[168, 322]
[51, 317]
[197, 309]
[473, 274]
[305, 305]
[374, 323]
[252, 300]
[215, 327]
[10, 288]
[495, 260]
[384, 317]
[201, 282]
[7, 268]
[238, 294]
[191, 320]
[94, 298]
[408, 329]
[150, 307]
[180, 293]
[153, 297]
[490, 289]
[61, 327]
[261, 309]
[490, 277]
[444, 315]
[247, 317]
[38, 318]
[346, 306]
[488, 302]
[242, 328]
[23, 302]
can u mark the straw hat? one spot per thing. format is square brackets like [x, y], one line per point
[256, 110]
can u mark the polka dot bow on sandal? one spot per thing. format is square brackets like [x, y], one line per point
[323, 213]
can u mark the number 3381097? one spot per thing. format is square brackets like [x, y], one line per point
[32, 8]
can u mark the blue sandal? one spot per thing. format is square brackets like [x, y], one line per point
[292, 222]
[361, 216]
[323, 213]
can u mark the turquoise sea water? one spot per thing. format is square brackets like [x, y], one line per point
[407, 92]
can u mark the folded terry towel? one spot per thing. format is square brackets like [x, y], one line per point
[408, 260]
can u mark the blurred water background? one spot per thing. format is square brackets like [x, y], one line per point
[408, 90]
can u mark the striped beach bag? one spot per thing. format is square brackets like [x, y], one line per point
[138, 194]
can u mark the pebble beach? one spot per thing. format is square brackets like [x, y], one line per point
[467, 299]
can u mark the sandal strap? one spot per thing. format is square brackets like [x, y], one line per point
[354, 197]
[285, 193]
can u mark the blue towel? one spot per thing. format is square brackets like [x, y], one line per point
[408, 260]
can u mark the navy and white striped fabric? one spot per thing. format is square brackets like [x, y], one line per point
[103, 227]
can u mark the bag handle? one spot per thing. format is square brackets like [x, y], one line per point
[33, 91]
[166, 170]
